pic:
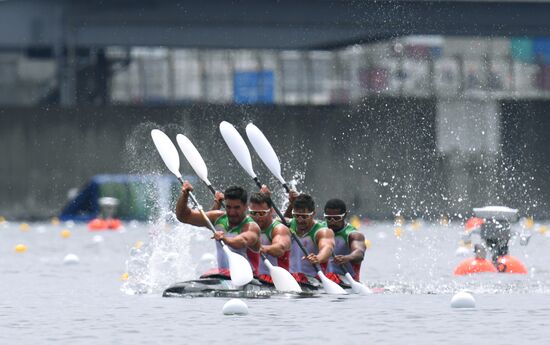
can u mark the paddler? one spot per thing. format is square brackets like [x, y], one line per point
[349, 250]
[275, 237]
[237, 230]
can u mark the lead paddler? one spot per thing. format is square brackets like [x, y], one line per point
[237, 230]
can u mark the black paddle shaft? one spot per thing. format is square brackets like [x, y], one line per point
[214, 193]
[283, 220]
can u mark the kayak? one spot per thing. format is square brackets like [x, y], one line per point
[505, 264]
[222, 287]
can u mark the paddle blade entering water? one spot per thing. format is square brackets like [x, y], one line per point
[167, 151]
[356, 286]
[282, 279]
[241, 272]
[331, 287]
[237, 146]
[264, 149]
[193, 157]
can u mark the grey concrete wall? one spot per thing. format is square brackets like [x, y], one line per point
[380, 156]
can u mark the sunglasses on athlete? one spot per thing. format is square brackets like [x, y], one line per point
[259, 213]
[334, 217]
[302, 215]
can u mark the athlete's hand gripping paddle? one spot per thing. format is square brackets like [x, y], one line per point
[240, 150]
[264, 149]
[282, 279]
[240, 270]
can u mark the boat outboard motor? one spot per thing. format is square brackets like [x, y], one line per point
[108, 207]
[496, 230]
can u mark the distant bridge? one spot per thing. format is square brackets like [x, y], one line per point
[47, 25]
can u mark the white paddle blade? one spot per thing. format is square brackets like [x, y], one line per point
[167, 151]
[282, 279]
[237, 146]
[264, 149]
[356, 286]
[193, 157]
[331, 287]
[239, 267]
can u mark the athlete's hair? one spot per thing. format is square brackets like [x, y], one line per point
[336, 204]
[260, 198]
[236, 193]
[304, 201]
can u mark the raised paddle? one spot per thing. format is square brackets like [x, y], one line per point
[240, 150]
[264, 149]
[195, 159]
[240, 270]
[282, 279]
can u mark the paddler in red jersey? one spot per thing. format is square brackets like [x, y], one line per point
[233, 227]
[275, 237]
[315, 236]
[349, 249]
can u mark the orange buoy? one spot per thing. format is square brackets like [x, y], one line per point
[114, 224]
[473, 265]
[510, 264]
[473, 223]
[99, 224]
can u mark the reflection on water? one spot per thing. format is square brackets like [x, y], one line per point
[42, 298]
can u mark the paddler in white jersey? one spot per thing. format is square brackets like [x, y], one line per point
[234, 227]
[275, 237]
[315, 236]
[349, 247]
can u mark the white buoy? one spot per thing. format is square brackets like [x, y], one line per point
[463, 299]
[71, 259]
[463, 251]
[207, 257]
[97, 239]
[235, 306]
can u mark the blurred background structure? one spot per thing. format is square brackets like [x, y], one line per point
[417, 108]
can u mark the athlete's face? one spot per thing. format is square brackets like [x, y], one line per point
[235, 210]
[335, 218]
[261, 213]
[304, 218]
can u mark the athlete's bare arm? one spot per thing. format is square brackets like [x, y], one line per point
[280, 242]
[249, 237]
[325, 243]
[357, 250]
[190, 216]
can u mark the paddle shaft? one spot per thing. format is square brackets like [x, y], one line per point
[214, 193]
[283, 220]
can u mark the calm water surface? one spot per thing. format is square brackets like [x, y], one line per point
[43, 300]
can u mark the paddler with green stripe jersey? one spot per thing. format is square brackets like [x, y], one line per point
[275, 237]
[349, 249]
[237, 230]
[316, 237]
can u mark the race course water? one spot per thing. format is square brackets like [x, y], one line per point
[44, 300]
